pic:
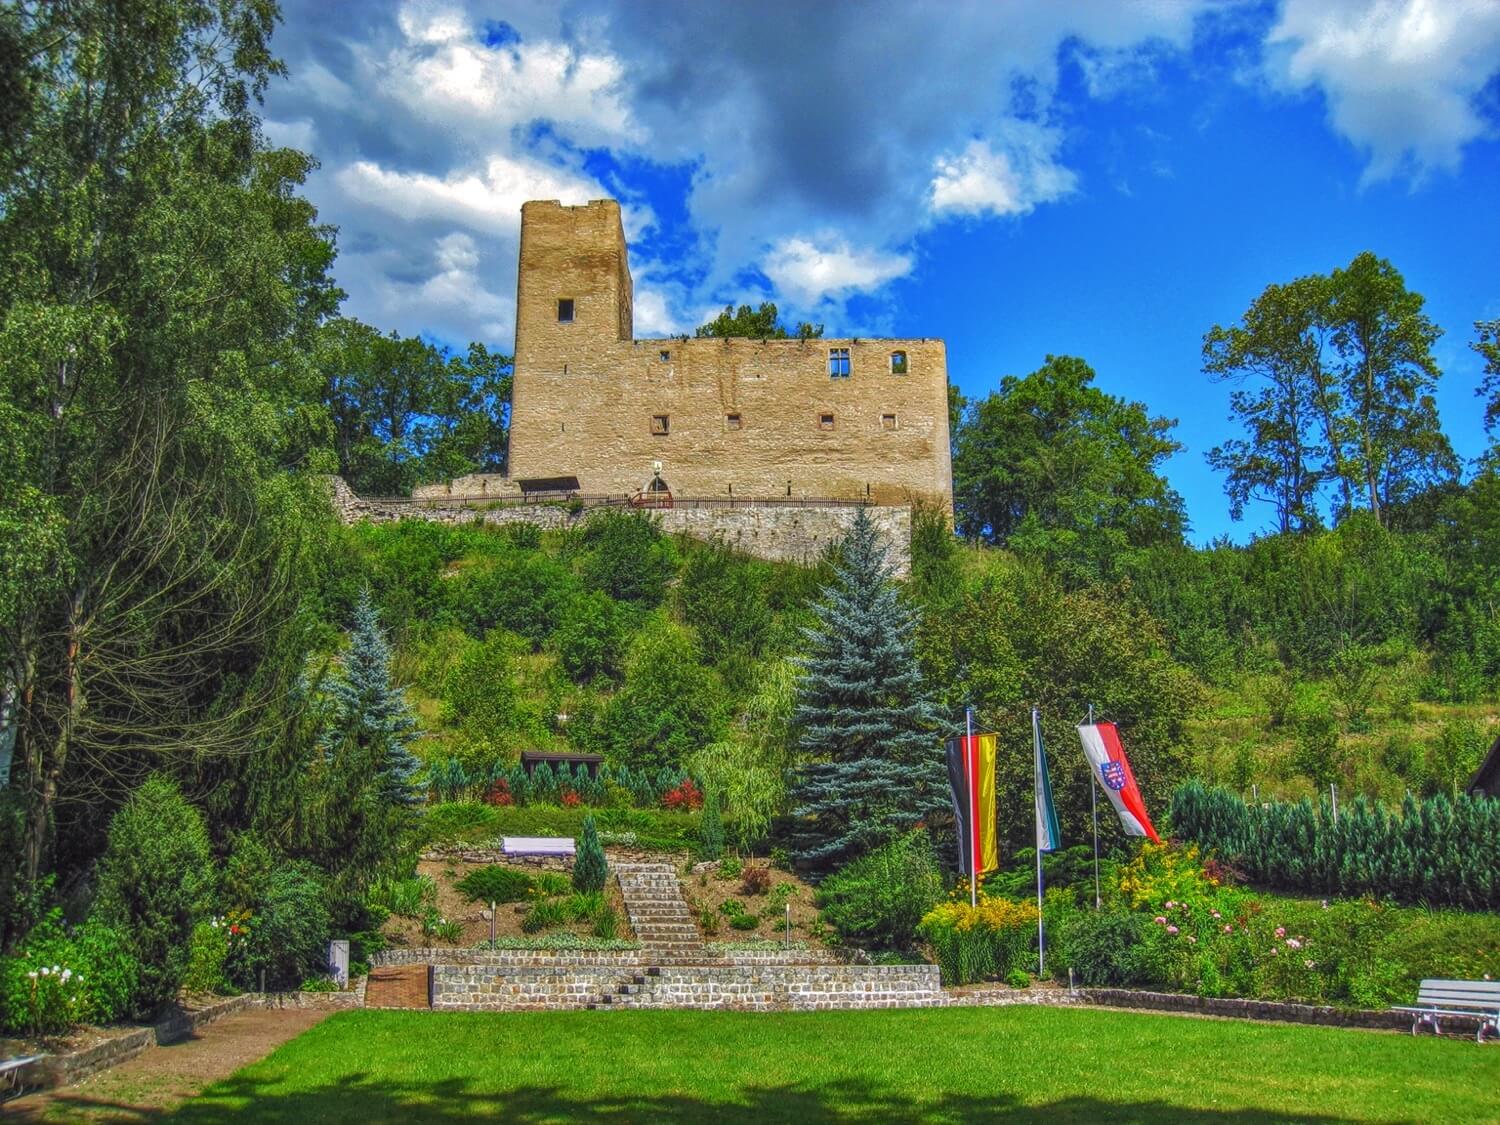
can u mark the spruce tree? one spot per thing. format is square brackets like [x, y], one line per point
[371, 713]
[711, 829]
[589, 866]
[870, 762]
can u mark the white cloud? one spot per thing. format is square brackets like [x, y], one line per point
[654, 317]
[1011, 179]
[300, 134]
[1400, 76]
[809, 272]
[489, 201]
[443, 73]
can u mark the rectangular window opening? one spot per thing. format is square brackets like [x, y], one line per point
[838, 363]
[898, 363]
[732, 422]
[825, 421]
[887, 421]
[666, 357]
[661, 424]
[565, 310]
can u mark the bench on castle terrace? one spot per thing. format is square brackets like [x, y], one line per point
[561, 846]
[1473, 999]
[11, 1069]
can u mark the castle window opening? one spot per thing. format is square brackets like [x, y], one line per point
[838, 363]
[732, 422]
[825, 421]
[898, 363]
[565, 310]
[661, 424]
[887, 421]
[666, 357]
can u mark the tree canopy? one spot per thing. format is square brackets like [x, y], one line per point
[760, 324]
[1052, 464]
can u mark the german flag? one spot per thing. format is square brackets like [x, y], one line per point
[971, 774]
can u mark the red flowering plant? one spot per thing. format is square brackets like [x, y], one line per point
[571, 799]
[684, 797]
[499, 794]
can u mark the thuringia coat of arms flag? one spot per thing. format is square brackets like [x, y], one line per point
[1102, 747]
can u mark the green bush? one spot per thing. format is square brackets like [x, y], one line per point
[550, 884]
[154, 878]
[985, 942]
[669, 705]
[110, 967]
[627, 557]
[405, 898]
[589, 868]
[591, 637]
[524, 592]
[57, 979]
[206, 958]
[723, 594]
[495, 884]
[879, 900]
[1437, 851]
[546, 914]
[1105, 948]
[289, 931]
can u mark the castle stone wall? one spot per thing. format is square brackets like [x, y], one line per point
[758, 418]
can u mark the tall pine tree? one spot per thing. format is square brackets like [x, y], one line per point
[371, 714]
[870, 762]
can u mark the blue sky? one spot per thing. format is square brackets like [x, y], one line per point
[1105, 179]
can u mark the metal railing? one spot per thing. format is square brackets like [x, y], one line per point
[643, 501]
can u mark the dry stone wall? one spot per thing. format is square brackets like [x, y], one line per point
[793, 532]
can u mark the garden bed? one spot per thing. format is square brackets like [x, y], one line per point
[717, 894]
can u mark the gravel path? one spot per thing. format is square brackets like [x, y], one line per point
[157, 1080]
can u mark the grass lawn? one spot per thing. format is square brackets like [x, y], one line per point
[964, 1064]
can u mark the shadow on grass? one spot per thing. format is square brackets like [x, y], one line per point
[363, 1099]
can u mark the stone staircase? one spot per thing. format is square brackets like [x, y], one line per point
[660, 917]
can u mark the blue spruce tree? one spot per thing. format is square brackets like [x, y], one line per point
[870, 760]
[371, 714]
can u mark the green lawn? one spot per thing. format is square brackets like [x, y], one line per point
[967, 1064]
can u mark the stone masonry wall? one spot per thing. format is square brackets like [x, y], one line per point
[743, 987]
[790, 533]
[744, 415]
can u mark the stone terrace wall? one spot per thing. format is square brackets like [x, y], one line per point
[743, 987]
[785, 533]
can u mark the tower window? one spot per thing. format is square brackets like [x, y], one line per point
[666, 357]
[887, 421]
[825, 421]
[565, 310]
[838, 363]
[898, 363]
[732, 422]
[661, 424]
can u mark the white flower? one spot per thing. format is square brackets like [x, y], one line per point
[32, 974]
[45, 971]
[55, 969]
[67, 975]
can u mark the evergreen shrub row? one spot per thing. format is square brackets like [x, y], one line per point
[1437, 851]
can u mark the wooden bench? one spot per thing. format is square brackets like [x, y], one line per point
[1472, 999]
[537, 846]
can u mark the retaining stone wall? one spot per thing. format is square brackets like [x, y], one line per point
[1248, 1009]
[746, 987]
[785, 533]
[618, 959]
[64, 1070]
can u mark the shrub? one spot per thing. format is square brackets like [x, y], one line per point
[495, 884]
[757, 881]
[730, 867]
[607, 923]
[1105, 947]
[744, 922]
[547, 913]
[723, 595]
[435, 927]
[288, 938]
[111, 970]
[684, 797]
[591, 638]
[206, 957]
[154, 877]
[549, 884]
[627, 557]
[1018, 978]
[318, 984]
[41, 998]
[983, 942]
[669, 705]
[711, 830]
[405, 898]
[879, 900]
[589, 867]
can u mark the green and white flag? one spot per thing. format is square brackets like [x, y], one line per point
[1048, 838]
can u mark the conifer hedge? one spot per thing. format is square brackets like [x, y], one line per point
[1437, 851]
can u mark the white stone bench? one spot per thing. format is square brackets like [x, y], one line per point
[1473, 999]
[560, 846]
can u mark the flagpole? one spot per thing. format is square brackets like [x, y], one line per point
[1036, 762]
[1094, 806]
[973, 808]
